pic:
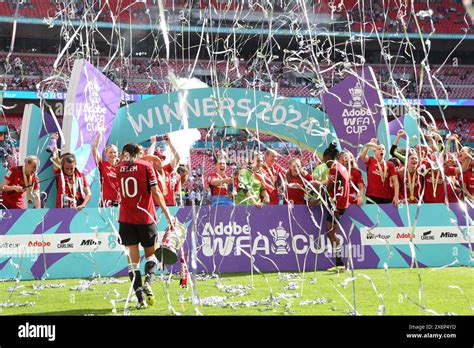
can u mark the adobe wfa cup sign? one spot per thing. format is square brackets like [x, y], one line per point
[355, 108]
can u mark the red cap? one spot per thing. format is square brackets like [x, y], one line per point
[159, 154]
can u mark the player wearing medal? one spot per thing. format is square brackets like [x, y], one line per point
[72, 187]
[165, 174]
[218, 183]
[296, 180]
[382, 179]
[357, 187]
[411, 180]
[108, 177]
[433, 182]
[464, 172]
[137, 219]
[20, 180]
[453, 188]
[273, 176]
[335, 191]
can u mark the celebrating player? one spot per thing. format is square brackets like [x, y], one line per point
[164, 173]
[382, 180]
[108, 177]
[273, 175]
[218, 182]
[337, 187]
[357, 188]
[296, 180]
[72, 187]
[20, 180]
[251, 190]
[411, 180]
[137, 219]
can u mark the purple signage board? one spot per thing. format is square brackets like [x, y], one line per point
[91, 103]
[65, 243]
[355, 108]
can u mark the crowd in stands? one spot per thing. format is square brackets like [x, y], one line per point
[28, 71]
[447, 15]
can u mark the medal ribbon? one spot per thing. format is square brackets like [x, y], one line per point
[383, 174]
[27, 179]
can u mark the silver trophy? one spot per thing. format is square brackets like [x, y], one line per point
[172, 241]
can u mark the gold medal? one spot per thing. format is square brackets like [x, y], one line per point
[272, 175]
[411, 185]
[28, 182]
[434, 182]
[383, 174]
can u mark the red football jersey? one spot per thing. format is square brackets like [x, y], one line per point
[165, 184]
[339, 177]
[356, 179]
[417, 181]
[71, 187]
[110, 187]
[17, 200]
[296, 194]
[466, 180]
[220, 190]
[376, 187]
[135, 182]
[451, 184]
[433, 185]
[272, 179]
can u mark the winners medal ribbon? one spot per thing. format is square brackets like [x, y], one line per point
[27, 179]
[434, 182]
[411, 185]
[383, 174]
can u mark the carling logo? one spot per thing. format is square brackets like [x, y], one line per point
[65, 244]
[427, 236]
[280, 245]
[37, 331]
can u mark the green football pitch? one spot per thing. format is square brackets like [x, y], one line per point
[426, 291]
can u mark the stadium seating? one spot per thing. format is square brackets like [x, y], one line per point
[447, 14]
[144, 79]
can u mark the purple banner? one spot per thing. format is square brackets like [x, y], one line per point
[91, 103]
[355, 109]
[65, 243]
[278, 239]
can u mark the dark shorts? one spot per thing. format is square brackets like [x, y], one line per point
[331, 211]
[131, 234]
[334, 214]
[108, 203]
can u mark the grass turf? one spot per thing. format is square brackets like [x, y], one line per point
[266, 294]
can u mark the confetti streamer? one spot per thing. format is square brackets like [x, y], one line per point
[315, 59]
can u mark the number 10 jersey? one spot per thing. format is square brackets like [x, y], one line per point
[135, 182]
